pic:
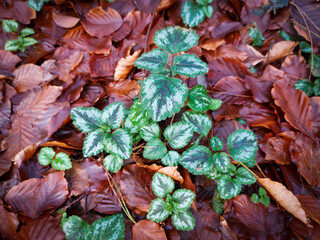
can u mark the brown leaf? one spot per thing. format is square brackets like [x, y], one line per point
[280, 50]
[146, 6]
[130, 88]
[64, 21]
[311, 205]
[9, 224]
[99, 23]
[173, 173]
[8, 61]
[141, 162]
[69, 63]
[230, 51]
[295, 104]
[44, 227]
[315, 104]
[29, 76]
[16, 10]
[125, 65]
[148, 230]
[5, 107]
[285, 198]
[261, 89]
[86, 177]
[271, 73]
[295, 67]
[211, 44]
[253, 56]
[36, 195]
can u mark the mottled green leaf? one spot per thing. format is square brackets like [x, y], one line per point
[154, 61]
[189, 65]
[216, 144]
[204, 2]
[245, 176]
[255, 198]
[218, 203]
[316, 65]
[316, 87]
[132, 129]
[265, 200]
[86, 119]
[28, 41]
[197, 160]
[157, 212]
[171, 158]
[36, 4]
[200, 121]
[228, 187]
[61, 162]
[215, 104]
[222, 162]
[9, 25]
[113, 114]
[243, 145]
[46, 156]
[213, 174]
[305, 85]
[175, 39]
[183, 199]
[162, 184]
[138, 114]
[256, 35]
[119, 142]
[198, 99]
[150, 131]
[155, 149]
[12, 45]
[183, 220]
[113, 162]
[92, 144]
[163, 97]
[178, 134]
[26, 31]
[75, 228]
[192, 14]
[305, 47]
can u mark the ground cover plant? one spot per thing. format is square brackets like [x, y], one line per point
[161, 119]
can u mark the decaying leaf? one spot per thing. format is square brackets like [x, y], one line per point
[125, 65]
[172, 172]
[280, 50]
[147, 230]
[64, 21]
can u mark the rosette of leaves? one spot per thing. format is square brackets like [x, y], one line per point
[177, 204]
[162, 94]
[104, 133]
[193, 13]
[262, 197]
[59, 161]
[111, 228]
[22, 40]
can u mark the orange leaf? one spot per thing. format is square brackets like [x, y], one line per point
[148, 230]
[64, 21]
[280, 50]
[125, 65]
[172, 172]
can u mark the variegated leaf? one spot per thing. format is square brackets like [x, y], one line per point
[200, 121]
[119, 142]
[189, 65]
[113, 114]
[178, 134]
[155, 149]
[171, 158]
[150, 131]
[93, 143]
[183, 199]
[113, 162]
[154, 61]
[157, 212]
[183, 220]
[86, 119]
[162, 184]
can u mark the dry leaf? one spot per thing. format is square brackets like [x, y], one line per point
[148, 230]
[280, 50]
[285, 198]
[172, 172]
[64, 21]
[212, 44]
[125, 65]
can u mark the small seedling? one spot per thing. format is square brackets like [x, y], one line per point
[256, 35]
[22, 40]
[262, 197]
[59, 161]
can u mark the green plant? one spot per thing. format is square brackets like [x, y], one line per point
[23, 41]
[193, 13]
[59, 161]
[36, 4]
[111, 228]
[262, 197]
[256, 35]
[177, 204]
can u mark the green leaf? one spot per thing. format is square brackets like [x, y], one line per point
[215, 104]
[183, 199]
[262, 192]
[132, 129]
[157, 212]
[216, 144]
[92, 144]
[155, 149]
[316, 65]
[256, 35]
[61, 162]
[86, 119]
[171, 158]
[178, 134]
[316, 87]
[154, 61]
[218, 203]
[285, 36]
[10, 25]
[204, 2]
[213, 174]
[222, 162]
[29, 41]
[304, 85]
[138, 114]
[198, 99]
[119, 142]
[255, 198]
[46, 156]
[252, 69]
[265, 200]
[175, 39]
[150, 131]
[113, 162]
[113, 114]
[11, 45]
[200, 121]
[228, 187]
[183, 220]
[197, 160]
[305, 47]
[189, 65]
[163, 97]
[111, 228]
[36, 4]
[192, 14]
[26, 32]
[243, 146]
[232, 170]
[245, 176]
[75, 228]
[208, 11]
[162, 184]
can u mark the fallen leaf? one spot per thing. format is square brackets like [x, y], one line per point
[125, 65]
[140, 161]
[64, 21]
[280, 50]
[148, 230]
[285, 198]
[8, 61]
[129, 88]
[311, 205]
[9, 224]
[230, 51]
[253, 56]
[173, 173]
[315, 104]
[295, 67]
[261, 89]
[211, 44]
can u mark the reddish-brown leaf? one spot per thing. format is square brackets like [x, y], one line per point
[230, 51]
[211, 44]
[253, 56]
[148, 230]
[315, 104]
[311, 205]
[16, 10]
[295, 67]
[5, 107]
[280, 50]
[9, 224]
[99, 23]
[37, 195]
[64, 21]
[146, 6]
[8, 61]
[130, 88]
[125, 65]
[261, 89]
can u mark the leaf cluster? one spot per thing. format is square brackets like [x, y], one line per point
[262, 197]
[59, 161]
[193, 13]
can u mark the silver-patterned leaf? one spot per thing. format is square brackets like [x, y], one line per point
[198, 99]
[74, 227]
[245, 176]
[157, 212]
[86, 119]
[113, 114]
[113, 162]
[155, 149]
[171, 158]
[222, 162]
[183, 199]
[150, 131]
[178, 134]
[216, 144]
[183, 220]
[228, 187]
[154, 61]
[162, 184]
[46, 156]
[9, 25]
[201, 122]
[138, 114]
[189, 65]
[119, 142]
[192, 14]
[92, 144]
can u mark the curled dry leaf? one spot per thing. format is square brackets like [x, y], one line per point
[148, 230]
[125, 65]
[129, 88]
[172, 172]
[212, 44]
[64, 21]
[66, 65]
[285, 198]
[140, 162]
[280, 50]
